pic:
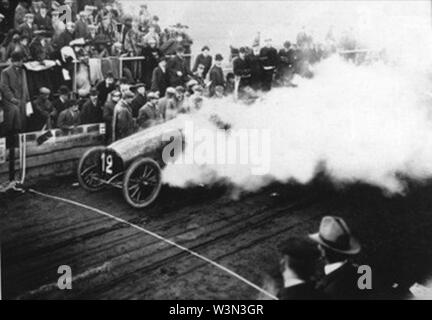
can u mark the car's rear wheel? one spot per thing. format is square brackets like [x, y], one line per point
[89, 170]
[142, 182]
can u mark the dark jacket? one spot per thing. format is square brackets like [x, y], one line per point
[241, 68]
[137, 103]
[206, 61]
[91, 113]
[341, 284]
[68, 118]
[302, 291]
[159, 81]
[175, 65]
[269, 57]
[104, 91]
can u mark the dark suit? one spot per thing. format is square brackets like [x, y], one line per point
[206, 61]
[104, 90]
[341, 284]
[136, 104]
[91, 113]
[302, 291]
[217, 78]
[241, 68]
[270, 59]
[159, 81]
[175, 65]
[14, 81]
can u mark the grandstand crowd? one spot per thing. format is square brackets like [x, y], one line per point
[66, 63]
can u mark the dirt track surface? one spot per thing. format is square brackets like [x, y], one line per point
[111, 260]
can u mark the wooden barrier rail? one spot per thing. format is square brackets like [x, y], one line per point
[56, 156]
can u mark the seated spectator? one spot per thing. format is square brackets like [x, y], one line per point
[20, 11]
[27, 28]
[57, 25]
[149, 114]
[62, 101]
[65, 37]
[298, 266]
[42, 20]
[216, 74]
[139, 100]
[23, 47]
[44, 114]
[81, 26]
[91, 110]
[205, 59]
[70, 117]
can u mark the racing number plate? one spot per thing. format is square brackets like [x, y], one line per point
[110, 163]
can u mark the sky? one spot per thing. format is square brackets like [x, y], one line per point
[223, 23]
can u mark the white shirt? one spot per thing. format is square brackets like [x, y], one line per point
[329, 268]
[292, 282]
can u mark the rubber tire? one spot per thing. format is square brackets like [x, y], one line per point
[127, 176]
[81, 163]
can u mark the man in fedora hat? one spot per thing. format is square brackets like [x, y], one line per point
[62, 101]
[337, 246]
[91, 110]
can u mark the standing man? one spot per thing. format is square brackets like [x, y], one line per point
[123, 122]
[149, 114]
[159, 81]
[151, 55]
[338, 246]
[105, 87]
[178, 69]
[269, 58]
[108, 113]
[217, 77]
[205, 59]
[14, 81]
[255, 61]
[70, 117]
[139, 100]
[242, 71]
[91, 110]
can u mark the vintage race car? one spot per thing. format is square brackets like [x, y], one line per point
[132, 164]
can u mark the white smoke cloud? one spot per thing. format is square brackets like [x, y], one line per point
[369, 123]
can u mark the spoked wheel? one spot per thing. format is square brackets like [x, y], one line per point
[142, 182]
[89, 169]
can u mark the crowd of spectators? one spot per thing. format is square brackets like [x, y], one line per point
[155, 87]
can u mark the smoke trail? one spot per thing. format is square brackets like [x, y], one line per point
[369, 123]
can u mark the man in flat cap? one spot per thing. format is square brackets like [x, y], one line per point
[216, 76]
[242, 70]
[62, 101]
[70, 117]
[338, 246]
[149, 114]
[205, 59]
[123, 123]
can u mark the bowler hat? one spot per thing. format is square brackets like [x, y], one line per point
[218, 57]
[335, 235]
